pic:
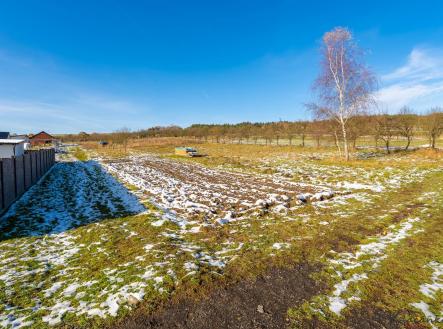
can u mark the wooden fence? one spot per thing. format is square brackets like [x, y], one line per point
[18, 174]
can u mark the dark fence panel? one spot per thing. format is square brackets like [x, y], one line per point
[18, 174]
[1, 187]
[39, 165]
[34, 167]
[27, 170]
[8, 182]
[45, 160]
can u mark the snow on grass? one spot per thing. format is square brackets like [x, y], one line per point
[70, 195]
[370, 254]
[280, 245]
[23, 262]
[350, 268]
[429, 292]
[101, 270]
[430, 289]
[48, 279]
[44, 279]
[339, 178]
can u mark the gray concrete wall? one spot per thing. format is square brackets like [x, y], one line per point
[19, 176]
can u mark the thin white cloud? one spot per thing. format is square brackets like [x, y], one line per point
[37, 93]
[32, 116]
[105, 103]
[422, 64]
[418, 83]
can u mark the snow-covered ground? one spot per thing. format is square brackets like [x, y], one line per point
[71, 194]
[48, 270]
[353, 267]
[350, 269]
[190, 191]
[59, 259]
[326, 176]
[429, 292]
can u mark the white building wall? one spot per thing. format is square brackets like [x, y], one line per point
[19, 149]
[7, 150]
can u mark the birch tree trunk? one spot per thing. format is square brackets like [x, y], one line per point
[345, 141]
[337, 142]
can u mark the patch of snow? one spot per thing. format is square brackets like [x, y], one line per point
[371, 253]
[430, 291]
[281, 245]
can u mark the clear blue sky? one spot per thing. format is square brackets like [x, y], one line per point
[68, 66]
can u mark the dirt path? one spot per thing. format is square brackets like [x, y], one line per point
[257, 304]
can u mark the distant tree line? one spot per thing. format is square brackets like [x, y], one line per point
[383, 129]
[344, 90]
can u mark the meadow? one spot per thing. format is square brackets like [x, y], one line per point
[134, 236]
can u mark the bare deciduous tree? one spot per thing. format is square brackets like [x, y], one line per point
[345, 85]
[358, 127]
[433, 125]
[385, 129]
[406, 123]
[121, 136]
[302, 129]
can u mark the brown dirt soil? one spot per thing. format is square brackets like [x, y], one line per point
[369, 317]
[236, 305]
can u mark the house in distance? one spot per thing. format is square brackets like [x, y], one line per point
[42, 138]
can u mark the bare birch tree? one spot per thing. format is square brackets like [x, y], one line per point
[345, 85]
